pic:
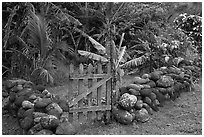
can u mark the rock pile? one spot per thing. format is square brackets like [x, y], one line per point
[39, 112]
[138, 100]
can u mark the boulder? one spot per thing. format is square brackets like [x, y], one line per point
[139, 80]
[148, 108]
[66, 128]
[165, 81]
[36, 128]
[49, 122]
[19, 100]
[42, 102]
[4, 94]
[25, 92]
[64, 117]
[139, 104]
[12, 96]
[44, 132]
[26, 123]
[122, 116]
[151, 83]
[64, 105]
[17, 88]
[27, 104]
[160, 97]
[127, 101]
[54, 109]
[37, 120]
[142, 115]
[39, 114]
[134, 92]
[145, 92]
[156, 75]
[21, 112]
[29, 113]
[5, 102]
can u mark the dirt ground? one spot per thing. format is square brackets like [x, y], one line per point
[181, 117]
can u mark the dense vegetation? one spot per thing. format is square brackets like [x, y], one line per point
[41, 39]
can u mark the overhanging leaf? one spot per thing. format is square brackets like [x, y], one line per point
[92, 56]
[97, 45]
[135, 62]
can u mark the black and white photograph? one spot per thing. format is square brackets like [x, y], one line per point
[101, 68]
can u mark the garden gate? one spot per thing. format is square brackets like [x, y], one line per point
[89, 92]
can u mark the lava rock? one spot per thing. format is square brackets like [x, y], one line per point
[145, 76]
[148, 108]
[134, 92]
[145, 92]
[21, 112]
[165, 81]
[12, 97]
[49, 122]
[142, 115]
[139, 104]
[127, 101]
[27, 104]
[164, 91]
[152, 96]
[17, 88]
[5, 103]
[28, 113]
[39, 114]
[35, 129]
[27, 123]
[156, 75]
[19, 100]
[44, 132]
[151, 83]
[147, 100]
[25, 92]
[122, 116]
[37, 120]
[42, 102]
[54, 109]
[160, 96]
[64, 117]
[64, 105]
[5, 94]
[139, 80]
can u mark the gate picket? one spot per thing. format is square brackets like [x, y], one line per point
[80, 89]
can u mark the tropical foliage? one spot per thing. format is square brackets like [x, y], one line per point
[41, 38]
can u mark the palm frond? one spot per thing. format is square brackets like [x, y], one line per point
[62, 16]
[135, 62]
[46, 75]
[38, 28]
[92, 56]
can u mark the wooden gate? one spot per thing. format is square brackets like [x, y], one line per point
[89, 92]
